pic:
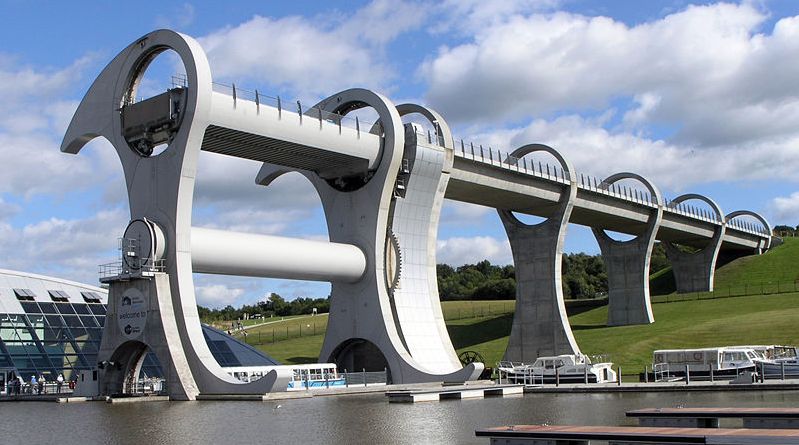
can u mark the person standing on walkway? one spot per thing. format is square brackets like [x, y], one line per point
[33, 384]
[59, 381]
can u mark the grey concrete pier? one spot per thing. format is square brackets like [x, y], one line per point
[627, 263]
[695, 271]
[540, 325]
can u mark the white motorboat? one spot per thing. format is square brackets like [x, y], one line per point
[568, 368]
[777, 361]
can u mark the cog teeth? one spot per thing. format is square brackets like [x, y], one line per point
[393, 282]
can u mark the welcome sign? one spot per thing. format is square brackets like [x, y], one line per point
[132, 313]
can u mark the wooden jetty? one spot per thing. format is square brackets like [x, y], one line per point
[578, 435]
[785, 418]
[452, 392]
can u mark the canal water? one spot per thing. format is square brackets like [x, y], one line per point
[367, 419]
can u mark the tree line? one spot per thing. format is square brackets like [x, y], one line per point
[583, 276]
[785, 230]
[274, 305]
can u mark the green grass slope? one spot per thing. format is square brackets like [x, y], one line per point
[776, 265]
[758, 319]
[746, 275]
[484, 326]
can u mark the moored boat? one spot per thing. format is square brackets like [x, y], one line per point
[719, 362]
[567, 368]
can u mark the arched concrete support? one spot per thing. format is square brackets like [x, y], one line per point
[394, 308]
[160, 190]
[627, 263]
[540, 325]
[695, 271]
[766, 244]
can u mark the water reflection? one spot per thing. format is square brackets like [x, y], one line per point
[353, 419]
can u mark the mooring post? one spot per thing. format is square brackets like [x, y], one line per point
[557, 376]
[618, 377]
[364, 376]
[782, 370]
[687, 374]
[585, 375]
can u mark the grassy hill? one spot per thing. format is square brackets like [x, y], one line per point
[483, 326]
[777, 265]
[759, 319]
[760, 273]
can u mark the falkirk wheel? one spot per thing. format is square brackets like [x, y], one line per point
[382, 187]
[384, 314]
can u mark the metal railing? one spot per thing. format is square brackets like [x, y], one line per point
[148, 386]
[488, 155]
[364, 378]
[736, 290]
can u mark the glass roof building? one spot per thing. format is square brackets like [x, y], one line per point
[50, 326]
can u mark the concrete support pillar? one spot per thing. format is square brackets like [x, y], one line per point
[695, 271]
[540, 325]
[627, 264]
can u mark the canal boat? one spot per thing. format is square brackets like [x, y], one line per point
[726, 361]
[567, 368]
[777, 361]
[307, 376]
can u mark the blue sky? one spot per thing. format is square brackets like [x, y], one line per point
[697, 96]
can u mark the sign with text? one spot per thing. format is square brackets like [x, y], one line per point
[132, 313]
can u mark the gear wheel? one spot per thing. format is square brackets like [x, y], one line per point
[393, 262]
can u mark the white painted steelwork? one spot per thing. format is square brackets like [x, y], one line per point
[246, 254]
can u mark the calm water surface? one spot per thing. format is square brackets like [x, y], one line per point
[366, 419]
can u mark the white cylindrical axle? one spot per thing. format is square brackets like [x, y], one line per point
[245, 254]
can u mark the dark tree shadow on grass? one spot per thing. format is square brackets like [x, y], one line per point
[483, 331]
[587, 327]
[303, 359]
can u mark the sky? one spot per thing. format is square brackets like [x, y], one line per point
[698, 97]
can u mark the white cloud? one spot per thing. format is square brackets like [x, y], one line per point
[33, 119]
[707, 71]
[70, 248]
[7, 210]
[455, 212]
[596, 151]
[226, 197]
[786, 209]
[463, 250]
[313, 56]
[463, 16]
[217, 295]
[179, 17]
